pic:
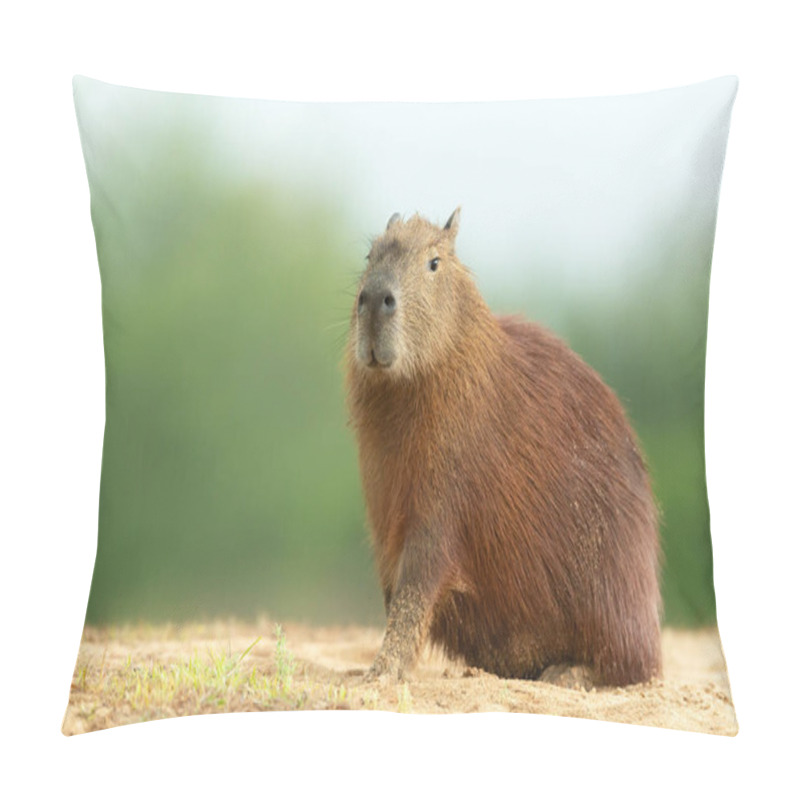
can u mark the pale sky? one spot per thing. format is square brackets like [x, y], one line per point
[582, 192]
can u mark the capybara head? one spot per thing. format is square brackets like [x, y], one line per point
[413, 299]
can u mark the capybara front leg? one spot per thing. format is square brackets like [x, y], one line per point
[411, 606]
[407, 626]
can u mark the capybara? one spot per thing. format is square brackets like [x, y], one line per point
[510, 509]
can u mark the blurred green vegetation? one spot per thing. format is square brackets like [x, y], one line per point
[229, 481]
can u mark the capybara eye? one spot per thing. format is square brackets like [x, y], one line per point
[433, 264]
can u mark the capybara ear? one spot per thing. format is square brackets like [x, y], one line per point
[451, 226]
[393, 220]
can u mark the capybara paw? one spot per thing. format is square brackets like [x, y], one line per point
[384, 671]
[375, 678]
[567, 676]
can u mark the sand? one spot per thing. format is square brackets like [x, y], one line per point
[117, 669]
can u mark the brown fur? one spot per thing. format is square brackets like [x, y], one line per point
[511, 512]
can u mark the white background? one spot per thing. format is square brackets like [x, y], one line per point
[51, 401]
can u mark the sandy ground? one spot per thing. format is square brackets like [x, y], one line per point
[110, 683]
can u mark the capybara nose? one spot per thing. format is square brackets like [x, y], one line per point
[380, 300]
[388, 304]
